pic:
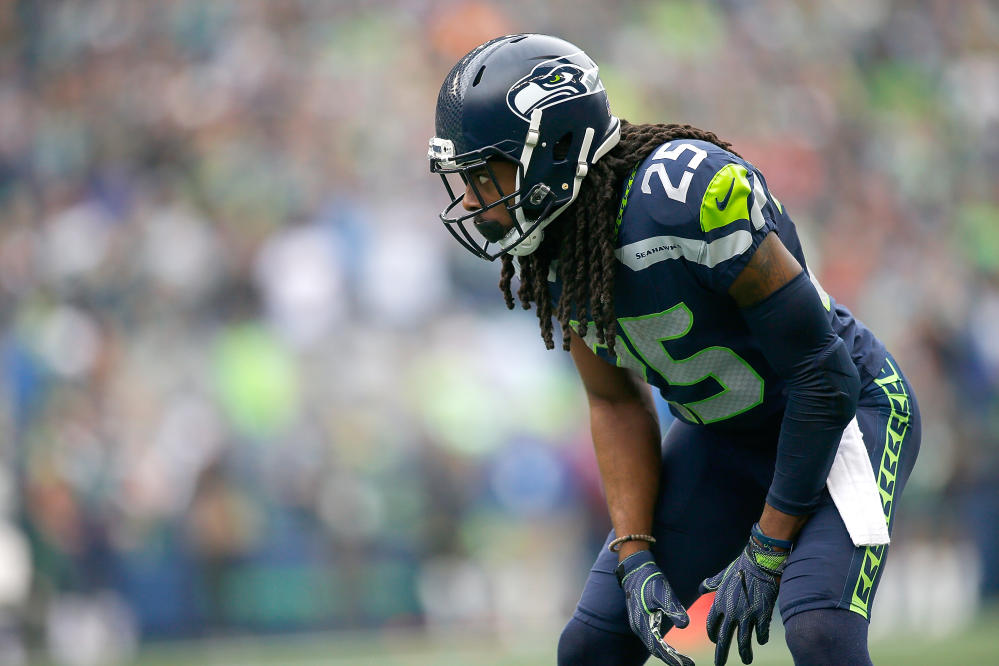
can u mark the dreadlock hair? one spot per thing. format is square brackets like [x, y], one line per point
[582, 241]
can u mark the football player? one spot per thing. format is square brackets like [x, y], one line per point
[667, 261]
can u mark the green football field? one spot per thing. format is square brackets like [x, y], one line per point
[977, 645]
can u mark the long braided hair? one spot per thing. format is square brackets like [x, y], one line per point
[582, 241]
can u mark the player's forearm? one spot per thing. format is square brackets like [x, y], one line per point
[626, 441]
[779, 525]
[818, 409]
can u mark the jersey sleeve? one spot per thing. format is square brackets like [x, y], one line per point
[710, 209]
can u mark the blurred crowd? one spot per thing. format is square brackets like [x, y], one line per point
[249, 384]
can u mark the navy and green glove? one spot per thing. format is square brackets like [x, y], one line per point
[652, 606]
[746, 594]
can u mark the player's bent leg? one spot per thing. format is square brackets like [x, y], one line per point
[825, 570]
[583, 645]
[828, 637]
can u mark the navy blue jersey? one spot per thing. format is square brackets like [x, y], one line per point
[695, 215]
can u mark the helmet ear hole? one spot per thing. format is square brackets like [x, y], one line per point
[561, 148]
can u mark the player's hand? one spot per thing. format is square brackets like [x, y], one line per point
[652, 606]
[746, 594]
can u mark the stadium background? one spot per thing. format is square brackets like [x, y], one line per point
[258, 407]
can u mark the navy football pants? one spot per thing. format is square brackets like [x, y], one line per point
[712, 489]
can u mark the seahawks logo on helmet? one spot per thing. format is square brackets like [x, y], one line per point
[549, 83]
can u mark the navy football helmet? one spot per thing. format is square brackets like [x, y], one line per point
[533, 100]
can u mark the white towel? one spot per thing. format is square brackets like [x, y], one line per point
[854, 490]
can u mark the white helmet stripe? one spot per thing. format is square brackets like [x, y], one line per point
[525, 161]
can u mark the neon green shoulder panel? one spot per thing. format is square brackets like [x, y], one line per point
[727, 198]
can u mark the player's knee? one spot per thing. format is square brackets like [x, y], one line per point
[828, 636]
[577, 642]
[583, 645]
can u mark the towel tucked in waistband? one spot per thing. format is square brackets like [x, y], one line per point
[854, 490]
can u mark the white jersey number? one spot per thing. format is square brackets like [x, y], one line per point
[669, 152]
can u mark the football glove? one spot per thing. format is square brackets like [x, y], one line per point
[746, 594]
[652, 606]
